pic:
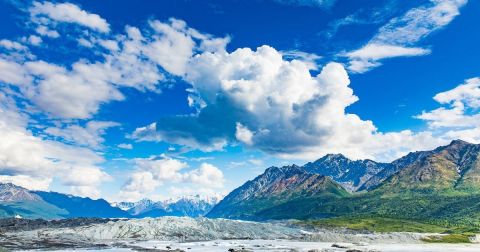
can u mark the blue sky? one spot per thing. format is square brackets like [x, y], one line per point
[123, 100]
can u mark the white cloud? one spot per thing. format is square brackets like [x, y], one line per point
[84, 181]
[125, 146]
[34, 40]
[395, 39]
[153, 172]
[68, 13]
[45, 31]
[12, 72]
[138, 186]
[287, 111]
[12, 45]
[458, 118]
[206, 175]
[90, 135]
[368, 56]
[164, 169]
[467, 93]
[419, 22]
[150, 133]
[132, 60]
[243, 134]
[28, 182]
[26, 158]
[171, 37]
[60, 92]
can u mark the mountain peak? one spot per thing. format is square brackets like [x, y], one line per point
[457, 144]
[351, 174]
[335, 156]
[11, 192]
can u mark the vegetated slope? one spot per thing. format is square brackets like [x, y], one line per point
[276, 187]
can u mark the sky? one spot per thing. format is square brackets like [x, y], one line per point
[159, 99]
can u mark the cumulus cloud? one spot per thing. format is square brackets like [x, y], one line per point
[395, 39]
[153, 172]
[67, 13]
[274, 104]
[33, 161]
[206, 175]
[458, 116]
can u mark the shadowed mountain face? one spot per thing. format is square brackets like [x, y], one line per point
[442, 184]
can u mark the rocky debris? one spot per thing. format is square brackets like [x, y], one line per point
[175, 229]
[16, 224]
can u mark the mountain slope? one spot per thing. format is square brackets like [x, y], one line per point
[275, 187]
[82, 207]
[439, 186]
[452, 167]
[11, 192]
[18, 201]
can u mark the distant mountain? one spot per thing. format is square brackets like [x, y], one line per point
[276, 188]
[437, 186]
[11, 192]
[82, 207]
[17, 201]
[192, 206]
[351, 174]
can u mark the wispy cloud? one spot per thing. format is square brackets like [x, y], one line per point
[398, 37]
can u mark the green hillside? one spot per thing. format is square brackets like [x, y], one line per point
[440, 188]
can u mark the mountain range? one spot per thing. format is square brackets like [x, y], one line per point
[192, 206]
[441, 185]
[16, 201]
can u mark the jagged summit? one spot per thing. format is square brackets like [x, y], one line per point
[352, 174]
